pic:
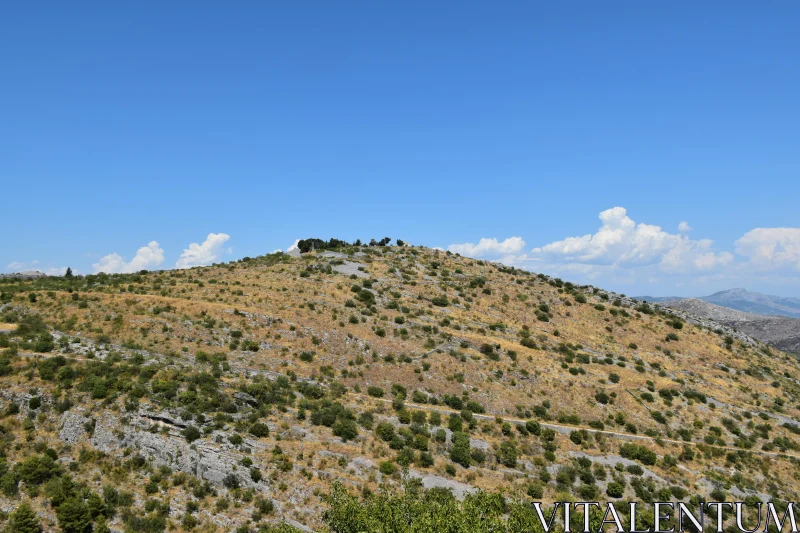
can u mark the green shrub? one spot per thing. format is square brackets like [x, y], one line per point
[345, 429]
[37, 469]
[615, 490]
[638, 453]
[259, 430]
[385, 431]
[507, 454]
[375, 391]
[459, 452]
[191, 433]
[535, 491]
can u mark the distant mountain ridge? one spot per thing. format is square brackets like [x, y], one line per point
[779, 331]
[754, 302]
[743, 300]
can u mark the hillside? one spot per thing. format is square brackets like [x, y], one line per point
[742, 300]
[244, 394]
[778, 331]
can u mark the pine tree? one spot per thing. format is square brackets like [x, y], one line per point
[23, 520]
[68, 273]
[101, 527]
[73, 516]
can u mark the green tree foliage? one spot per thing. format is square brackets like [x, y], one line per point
[259, 430]
[615, 490]
[440, 301]
[307, 245]
[507, 454]
[459, 452]
[73, 516]
[638, 453]
[433, 511]
[345, 428]
[37, 469]
[23, 520]
[191, 433]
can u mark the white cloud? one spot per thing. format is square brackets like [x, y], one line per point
[490, 247]
[19, 266]
[689, 256]
[618, 241]
[623, 243]
[625, 253]
[293, 247]
[203, 254]
[771, 248]
[146, 258]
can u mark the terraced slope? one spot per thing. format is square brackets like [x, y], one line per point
[234, 396]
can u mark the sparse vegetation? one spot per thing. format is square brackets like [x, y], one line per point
[291, 373]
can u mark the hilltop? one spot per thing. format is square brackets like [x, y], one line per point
[265, 390]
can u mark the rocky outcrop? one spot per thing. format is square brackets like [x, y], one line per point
[778, 331]
[458, 489]
[27, 274]
[74, 425]
[157, 437]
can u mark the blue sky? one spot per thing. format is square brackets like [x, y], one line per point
[257, 124]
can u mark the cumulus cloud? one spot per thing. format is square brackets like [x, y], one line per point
[19, 266]
[293, 247]
[771, 248]
[489, 247]
[203, 254]
[689, 256]
[146, 258]
[621, 242]
[625, 252]
[15, 266]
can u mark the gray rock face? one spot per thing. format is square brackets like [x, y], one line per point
[27, 274]
[22, 400]
[206, 460]
[73, 426]
[479, 444]
[778, 331]
[244, 397]
[164, 417]
[458, 489]
[350, 269]
[362, 464]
